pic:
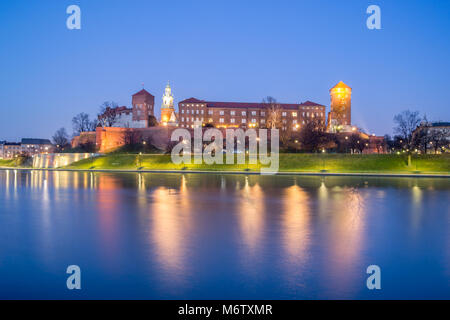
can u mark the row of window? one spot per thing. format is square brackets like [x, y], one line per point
[254, 113]
[202, 105]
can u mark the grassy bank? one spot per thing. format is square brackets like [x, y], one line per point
[8, 163]
[339, 163]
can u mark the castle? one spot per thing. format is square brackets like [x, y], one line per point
[196, 112]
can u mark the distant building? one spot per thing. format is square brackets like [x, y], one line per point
[435, 134]
[442, 128]
[293, 116]
[9, 150]
[35, 146]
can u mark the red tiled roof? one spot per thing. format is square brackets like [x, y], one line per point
[249, 105]
[143, 92]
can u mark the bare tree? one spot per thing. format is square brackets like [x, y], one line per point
[313, 137]
[438, 139]
[108, 115]
[81, 123]
[61, 139]
[421, 139]
[273, 113]
[406, 123]
[357, 143]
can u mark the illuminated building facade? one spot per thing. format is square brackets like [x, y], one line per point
[168, 115]
[340, 116]
[193, 112]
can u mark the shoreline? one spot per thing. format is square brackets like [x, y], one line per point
[279, 173]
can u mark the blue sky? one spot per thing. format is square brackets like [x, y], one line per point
[220, 50]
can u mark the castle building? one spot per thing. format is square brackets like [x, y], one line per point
[136, 117]
[193, 111]
[340, 116]
[168, 114]
[143, 107]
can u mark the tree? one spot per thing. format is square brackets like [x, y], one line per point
[406, 123]
[273, 113]
[93, 125]
[357, 143]
[313, 137]
[389, 142]
[61, 139]
[152, 122]
[421, 139]
[108, 114]
[81, 123]
[438, 140]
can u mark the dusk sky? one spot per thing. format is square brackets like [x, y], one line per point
[220, 51]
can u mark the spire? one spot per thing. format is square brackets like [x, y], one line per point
[167, 97]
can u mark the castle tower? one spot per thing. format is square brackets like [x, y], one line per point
[340, 116]
[143, 107]
[168, 116]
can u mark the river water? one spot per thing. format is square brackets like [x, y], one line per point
[213, 236]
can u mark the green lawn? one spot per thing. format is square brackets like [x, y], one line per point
[338, 163]
[7, 163]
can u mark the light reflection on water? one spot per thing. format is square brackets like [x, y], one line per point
[222, 236]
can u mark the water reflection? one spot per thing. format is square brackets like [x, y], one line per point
[251, 214]
[296, 224]
[216, 236]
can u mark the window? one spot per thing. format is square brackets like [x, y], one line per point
[284, 121]
[303, 114]
[283, 114]
[182, 111]
[232, 120]
[294, 121]
[232, 113]
[221, 120]
[307, 114]
[263, 113]
[196, 111]
[221, 112]
[253, 120]
[210, 112]
[294, 114]
[202, 112]
[253, 113]
[244, 113]
[263, 120]
[244, 120]
[187, 111]
[182, 118]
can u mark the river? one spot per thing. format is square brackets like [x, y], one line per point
[214, 236]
